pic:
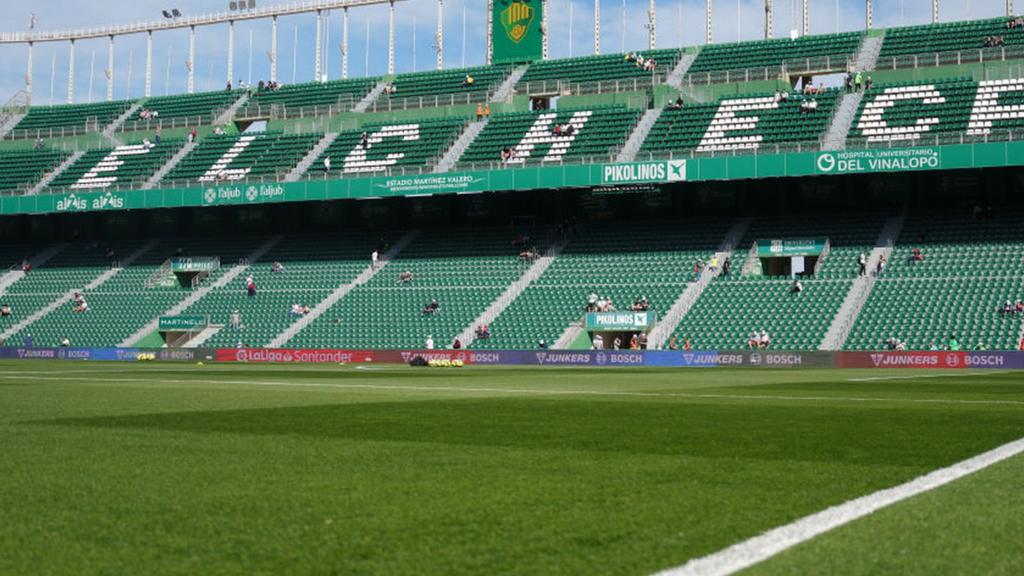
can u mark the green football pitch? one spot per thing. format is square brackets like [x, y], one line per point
[240, 469]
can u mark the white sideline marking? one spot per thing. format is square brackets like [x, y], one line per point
[919, 376]
[760, 548]
[524, 391]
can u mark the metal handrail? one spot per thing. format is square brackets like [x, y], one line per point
[951, 58]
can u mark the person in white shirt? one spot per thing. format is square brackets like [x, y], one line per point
[236, 320]
[374, 259]
[327, 164]
[430, 343]
[598, 342]
[64, 342]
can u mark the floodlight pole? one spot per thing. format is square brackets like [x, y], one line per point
[344, 44]
[651, 30]
[273, 49]
[28, 74]
[490, 32]
[439, 38]
[192, 60]
[148, 64]
[319, 46]
[544, 30]
[1009, 7]
[806, 19]
[391, 37]
[71, 73]
[870, 15]
[597, 27]
[935, 10]
[707, 22]
[231, 51]
[110, 69]
[769, 20]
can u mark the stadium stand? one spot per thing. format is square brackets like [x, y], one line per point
[20, 169]
[292, 99]
[120, 167]
[970, 268]
[444, 82]
[731, 308]
[313, 266]
[233, 158]
[463, 270]
[47, 121]
[948, 37]
[546, 76]
[597, 132]
[747, 123]
[411, 145]
[118, 307]
[623, 262]
[201, 108]
[944, 111]
[763, 53]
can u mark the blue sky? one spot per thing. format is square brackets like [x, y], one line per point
[416, 22]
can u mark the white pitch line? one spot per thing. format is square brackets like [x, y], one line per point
[920, 376]
[760, 548]
[523, 391]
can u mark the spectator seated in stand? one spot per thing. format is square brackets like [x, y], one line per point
[431, 308]
[405, 278]
[5, 310]
[483, 332]
[276, 267]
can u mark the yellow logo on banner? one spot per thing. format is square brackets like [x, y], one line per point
[516, 20]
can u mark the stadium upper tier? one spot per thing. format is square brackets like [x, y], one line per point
[537, 137]
[547, 76]
[482, 79]
[940, 111]
[950, 37]
[968, 270]
[310, 98]
[831, 51]
[746, 123]
[48, 121]
[200, 108]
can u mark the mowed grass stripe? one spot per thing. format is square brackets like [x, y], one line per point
[147, 478]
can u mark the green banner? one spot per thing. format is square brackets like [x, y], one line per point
[516, 31]
[754, 166]
[863, 161]
[181, 323]
[790, 247]
[619, 321]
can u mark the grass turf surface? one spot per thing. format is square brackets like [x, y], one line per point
[180, 469]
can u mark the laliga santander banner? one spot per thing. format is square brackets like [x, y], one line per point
[297, 356]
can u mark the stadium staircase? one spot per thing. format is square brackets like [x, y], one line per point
[867, 56]
[636, 139]
[64, 298]
[676, 76]
[228, 114]
[859, 292]
[302, 167]
[364, 104]
[39, 259]
[8, 123]
[539, 266]
[196, 295]
[341, 291]
[842, 121]
[452, 155]
[503, 93]
[663, 331]
[56, 172]
[171, 163]
[108, 131]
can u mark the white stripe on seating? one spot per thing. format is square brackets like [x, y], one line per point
[760, 548]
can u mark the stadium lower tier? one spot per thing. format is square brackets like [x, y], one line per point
[950, 280]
